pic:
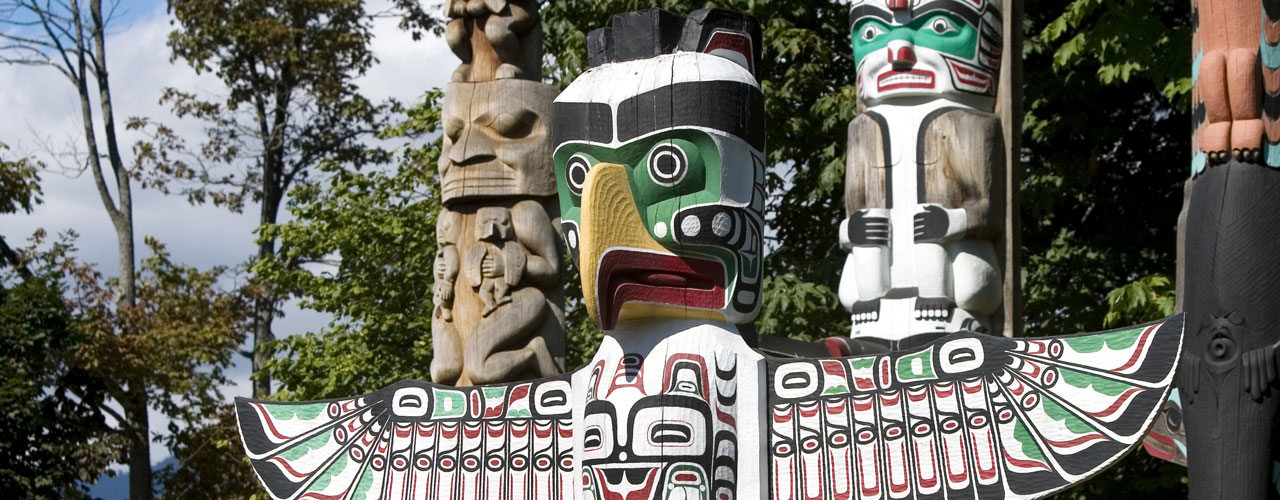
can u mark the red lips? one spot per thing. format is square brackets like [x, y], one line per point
[909, 79]
[632, 276]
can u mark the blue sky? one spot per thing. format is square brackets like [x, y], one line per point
[42, 115]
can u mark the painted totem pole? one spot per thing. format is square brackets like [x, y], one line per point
[1230, 256]
[925, 174]
[499, 308]
[658, 159]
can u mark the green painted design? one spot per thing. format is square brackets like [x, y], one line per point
[288, 411]
[1118, 340]
[1068, 419]
[298, 451]
[519, 414]
[326, 477]
[1093, 382]
[1027, 442]
[916, 367]
[837, 389]
[862, 363]
[365, 484]
[941, 31]
[448, 404]
[494, 392]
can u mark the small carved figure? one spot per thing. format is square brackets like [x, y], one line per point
[446, 265]
[496, 262]
[925, 172]
[510, 46]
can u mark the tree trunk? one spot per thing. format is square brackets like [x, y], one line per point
[140, 485]
[265, 306]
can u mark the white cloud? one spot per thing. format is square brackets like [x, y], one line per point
[40, 108]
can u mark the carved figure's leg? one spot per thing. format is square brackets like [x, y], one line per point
[1213, 87]
[486, 296]
[934, 281]
[501, 292]
[446, 364]
[487, 362]
[1245, 93]
[976, 281]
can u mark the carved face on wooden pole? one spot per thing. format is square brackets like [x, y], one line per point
[931, 48]
[661, 179]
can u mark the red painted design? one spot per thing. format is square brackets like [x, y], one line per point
[633, 276]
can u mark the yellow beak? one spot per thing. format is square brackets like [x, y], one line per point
[611, 220]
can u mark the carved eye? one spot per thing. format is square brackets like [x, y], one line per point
[453, 128]
[870, 32]
[667, 165]
[514, 125]
[576, 173]
[941, 26]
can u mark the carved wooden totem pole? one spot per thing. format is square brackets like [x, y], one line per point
[1231, 252]
[499, 308]
[925, 175]
[658, 160]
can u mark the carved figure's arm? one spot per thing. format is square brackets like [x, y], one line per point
[535, 233]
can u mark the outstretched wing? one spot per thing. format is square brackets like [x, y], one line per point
[416, 440]
[968, 416]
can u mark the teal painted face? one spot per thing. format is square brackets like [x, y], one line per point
[941, 48]
[661, 189]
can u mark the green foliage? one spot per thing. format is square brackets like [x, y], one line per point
[1126, 38]
[1147, 299]
[799, 309]
[365, 242]
[46, 431]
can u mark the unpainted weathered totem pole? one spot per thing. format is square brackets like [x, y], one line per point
[499, 308]
[1231, 253]
[925, 193]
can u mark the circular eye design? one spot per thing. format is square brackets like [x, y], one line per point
[941, 26]
[810, 444]
[950, 425]
[667, 165]
[576, 173]
[782, 449]
[838, 438]
[865, 436]
[870, 32]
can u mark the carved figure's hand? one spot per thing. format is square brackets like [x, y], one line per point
[931, 223]
[441, 266]
[936, 224]
[863, 229]
[487, 267]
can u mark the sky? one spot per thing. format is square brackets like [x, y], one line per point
[41, 114]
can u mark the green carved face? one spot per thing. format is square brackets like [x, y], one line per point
[943, 48]
[940, 31]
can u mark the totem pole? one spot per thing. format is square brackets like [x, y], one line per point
[499, 308]
[659, 151]
[1230, 255]
[925, 177]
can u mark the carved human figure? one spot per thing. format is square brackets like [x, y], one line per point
[511, 45]
[925, 170]
[512, 264]
[446, 265]
[496, 262]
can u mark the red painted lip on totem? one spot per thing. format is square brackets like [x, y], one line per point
[882, 86]
[634, 276]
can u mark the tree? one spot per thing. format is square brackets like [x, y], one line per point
[372, 236]
[73, 41]
[288, 66]
[19, 191]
